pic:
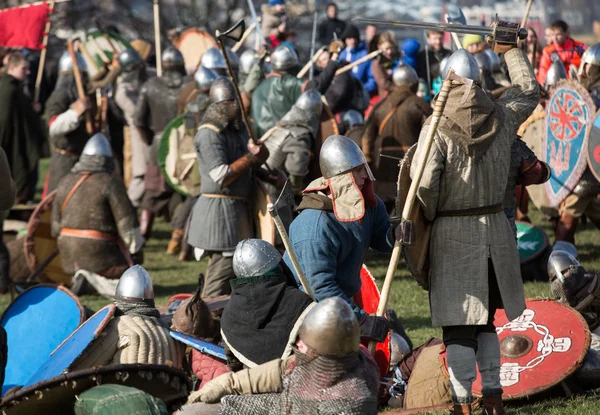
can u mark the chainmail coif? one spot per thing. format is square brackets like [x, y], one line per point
[320, 385]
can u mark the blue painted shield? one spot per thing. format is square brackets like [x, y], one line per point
[569, 119]
[594, 147]
[65, 354]
[200, 345]
[37, 321]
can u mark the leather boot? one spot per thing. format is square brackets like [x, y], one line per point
[461, 410]
[566, 227]
[492, 405]
[146, 220]
[174, 246]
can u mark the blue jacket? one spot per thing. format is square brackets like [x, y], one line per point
[331, 253]
[361, 72]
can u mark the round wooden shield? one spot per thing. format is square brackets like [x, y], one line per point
[100, 48]
[594, 147]
[177, 158]
[532, 133]
[73, 346]
[36, 322]
[569, 118]
[40, 245]
[264, 226]
[192, 44]
[368, 299]
[57, 395]
[545, 345]
[532, 241]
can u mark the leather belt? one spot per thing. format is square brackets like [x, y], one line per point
[88, 234]
[216, 196]
[484, 210]
[65, 152]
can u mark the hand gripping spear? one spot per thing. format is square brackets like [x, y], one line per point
[235, 33]
[286, 198]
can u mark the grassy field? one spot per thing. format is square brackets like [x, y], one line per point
[171, 276]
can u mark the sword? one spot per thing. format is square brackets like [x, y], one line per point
[501, 31]
[312, 47]
[286, 198]
[255, 20]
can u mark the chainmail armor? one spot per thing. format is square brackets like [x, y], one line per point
[519, 152]
[321, 385]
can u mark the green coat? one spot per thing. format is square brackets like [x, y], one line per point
[273, 98]
[22, 134]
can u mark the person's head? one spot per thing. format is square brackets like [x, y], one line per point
[213, 59]
[406, 76]
[284, 59]
[387, 45]
[370, 32]
[351, 36]
[172, 60]
[18, 66]
[129, 60]
[532, 36]
[435, 40]
[548, 35]
[555, 73]
[471, 42]
[560, 32]
[204, 78]
[340, 155]
[332, 10]
[254, 258]
[360, 175]
[464, 65]
[323, 59]
[591, 57]
[567, 276]
[135, 285]
[277, 6]
[222, 93]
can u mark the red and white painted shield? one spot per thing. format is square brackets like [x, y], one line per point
[547, 343]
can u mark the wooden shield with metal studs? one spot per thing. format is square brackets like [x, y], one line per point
[540, 349]
[594, 147]
[569, 118]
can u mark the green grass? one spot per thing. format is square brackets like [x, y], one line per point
[171, 276]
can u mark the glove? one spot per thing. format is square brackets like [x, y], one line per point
[336, 46]
[212, 392]
[275, 177]
[375, 328]
[260, 153]
[404, 233]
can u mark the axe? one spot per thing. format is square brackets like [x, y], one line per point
[235, 33]
[89, 126]
[286, 198]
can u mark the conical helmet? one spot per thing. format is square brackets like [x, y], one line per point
[464, 65]
[98, 145]
[254, 257]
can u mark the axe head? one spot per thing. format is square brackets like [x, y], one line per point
[455, 15]
[235, 32]
[286, 197]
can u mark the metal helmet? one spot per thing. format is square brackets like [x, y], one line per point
[311, 102]
[353, 118]
[331, 329]
[566, 275]
[399, 348]
[213, 59]
[591, 55]
[565, 246]
[222, 89]
[247, 61]
[65, 64]
[254, 257]
[98, 145]
[172, 59]
[405, 75]
[204, 78]
[555, 73]
[340, 154]
[464, 64]
[135, 285]
[483, 61]
[495, 59]
[284, 59]
[129, 59]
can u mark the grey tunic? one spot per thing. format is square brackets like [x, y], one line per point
[218, 224]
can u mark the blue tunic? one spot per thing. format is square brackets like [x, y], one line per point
[331, 253]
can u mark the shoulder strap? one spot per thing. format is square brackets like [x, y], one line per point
[73, 190]
[210, 127]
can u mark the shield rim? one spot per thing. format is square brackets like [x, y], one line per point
[163, 150]
[576, 365]
[545, 245]
[589, 164]
[109, 53]
[191, 31]
[580, 166]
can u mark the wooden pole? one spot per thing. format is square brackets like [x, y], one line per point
[247, 33]
[42, 64]
[527, 11]
[364, 59]
[157, 38]
[440, 104]
[314, 58]
[89, 126]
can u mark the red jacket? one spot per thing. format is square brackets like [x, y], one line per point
[569, 53]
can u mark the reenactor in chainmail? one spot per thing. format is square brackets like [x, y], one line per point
[222, 216]
[328, 373]
[584, 199]
[291, 141]
[66, 120]
[193, 102]
[156, 107]
[135, 335]
[93, 218]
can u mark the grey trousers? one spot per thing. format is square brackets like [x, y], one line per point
[218, 275]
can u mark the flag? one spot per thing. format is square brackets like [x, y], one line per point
[23, 27]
